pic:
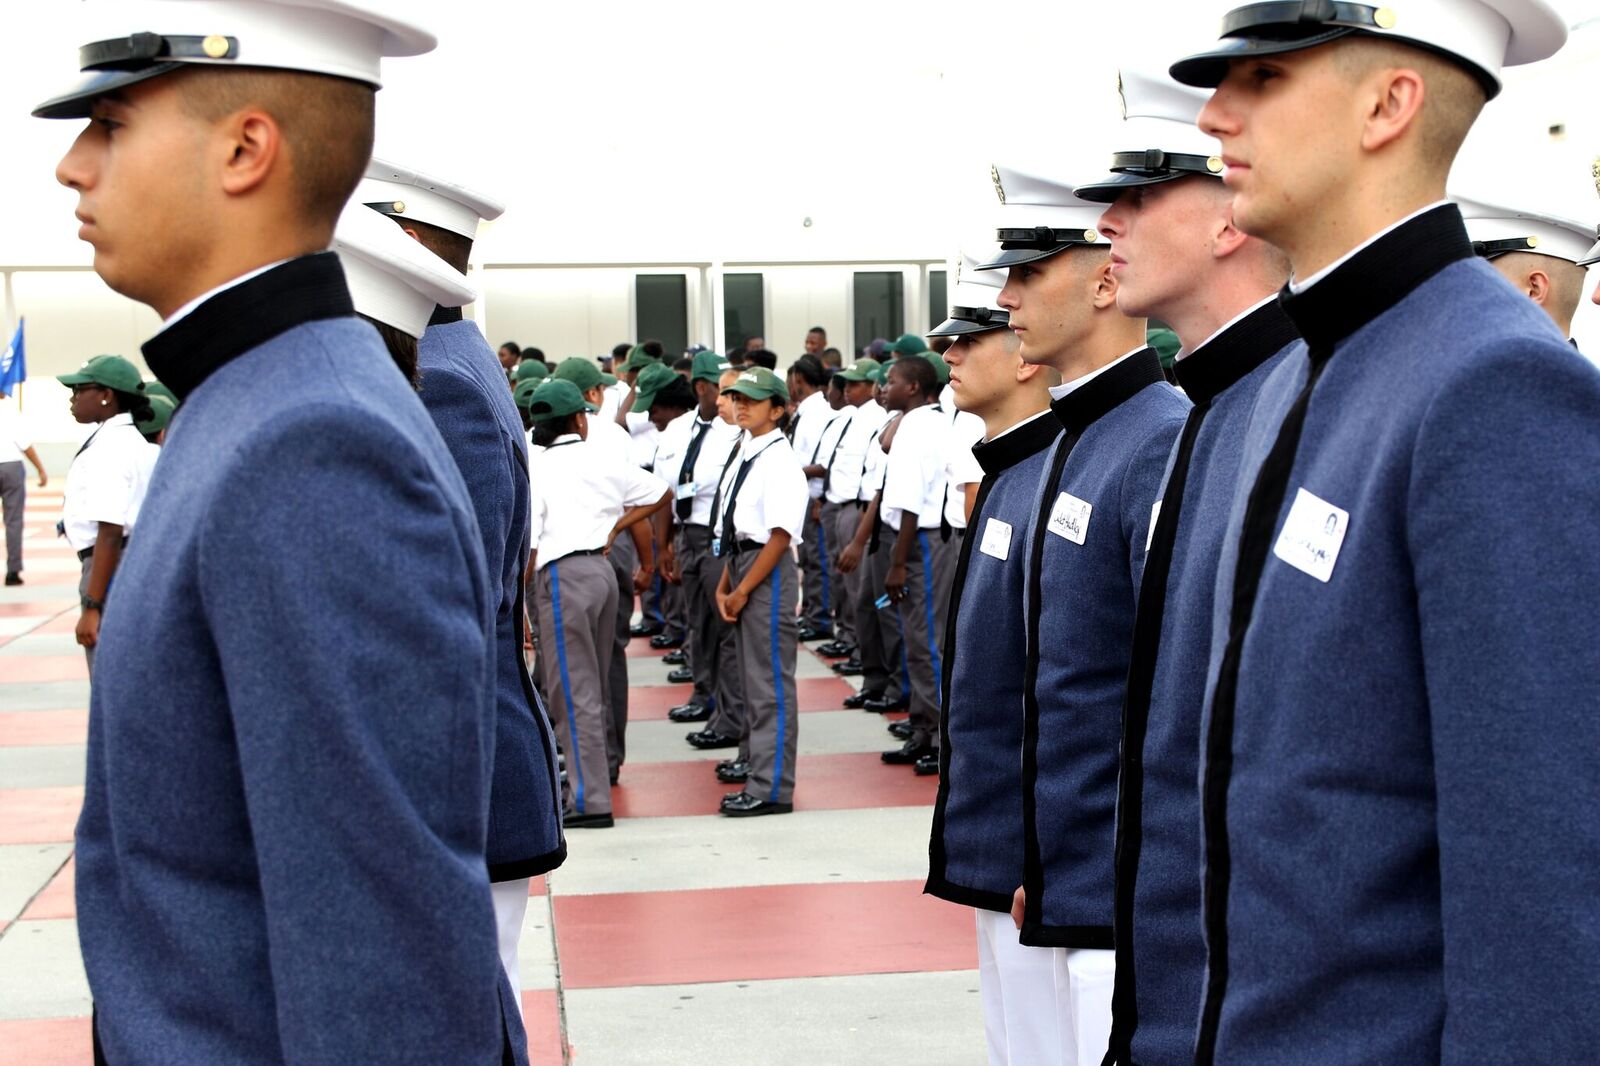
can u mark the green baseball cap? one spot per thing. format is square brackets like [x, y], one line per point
[940, 367]
[582, 373]
[161, 412]
[759, 383]
[908, 344]
[111, 371]
[523, 393]
[1166, 344]
[709, 366]
[155, 388]
[530, 370]
[865, 369]
[557, 398]
[652, 379]
[638, 359]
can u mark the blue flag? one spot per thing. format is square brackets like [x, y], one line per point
[13, 363]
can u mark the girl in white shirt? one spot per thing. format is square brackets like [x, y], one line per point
[757, 517]
[583, 496]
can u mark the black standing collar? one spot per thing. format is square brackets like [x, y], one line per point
[1378, 277]
[246, 316]
[1233, 353]
[444, 316]
[1080, 408]
[1011, 448]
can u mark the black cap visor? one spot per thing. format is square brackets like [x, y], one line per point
[1029, 245]
[1108, 189]
[964, 321]
[79, 101]
[1208, 69]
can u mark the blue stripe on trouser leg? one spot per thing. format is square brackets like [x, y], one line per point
[927, 606]
[574, 760]
[777, 682]
[655, 601]
[822, 565]
[905, 663]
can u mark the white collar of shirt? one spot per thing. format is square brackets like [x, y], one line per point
[751, 447]
[1234, 321]
[1058, 391]
[1297, 286]
[1019, 425]
[189, 307]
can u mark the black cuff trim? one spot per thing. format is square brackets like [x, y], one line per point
[515, 871]
[983, 900]
[1037, 935]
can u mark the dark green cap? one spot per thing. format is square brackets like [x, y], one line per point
[865, 369]
[530, 370]
[155, 388]
[557, 398]
[940, 367]
[638, 359]
[651, 380]
[161, 412]
[709, 366]
[1166, 344]
[582, 373]
[112, 371]
[523, 393]
[908, 344]
[759, 383]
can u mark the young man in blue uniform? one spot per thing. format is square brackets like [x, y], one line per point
[1399, 721]
[1537, 252]
[266, 838]
[460, 382]
[975, 850]
[1084, 555]
[1179, 258]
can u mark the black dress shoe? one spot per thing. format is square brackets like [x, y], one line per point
[836, 649]
[675, 658]
[849, 668]
[900, 730]
[13, 579]
[681, 676]
[859, 700]
[744, 805]
[663, 641]
[927, 766]
[810, 633]
[883, 706]
[587, 821]
[908, 754]
[643, 629]
[690, 712]
[733, 773]
[710, 740]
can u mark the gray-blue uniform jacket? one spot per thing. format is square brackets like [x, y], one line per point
[280, 855]
[1086, 551]
[463, 388]
[975, 849]
[1161, 955]
[1399, 773]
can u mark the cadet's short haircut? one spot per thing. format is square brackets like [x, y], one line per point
[327, 124]
[532, 353]
[683, 362]
[1453, 98]
[621, 351]
[809, 369]
[676, 395]
[762, 357]
[819, 331]
[919, 372]
[453, 248]
[832, 357]
[654, 349]
[515, 348]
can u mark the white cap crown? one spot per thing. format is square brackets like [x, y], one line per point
[411, 194]
[392, 278]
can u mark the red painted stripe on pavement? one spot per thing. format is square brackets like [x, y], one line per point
[823, 783]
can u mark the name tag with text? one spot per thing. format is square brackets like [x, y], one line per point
[996, 541]
[1312, 536]
[1069, 518]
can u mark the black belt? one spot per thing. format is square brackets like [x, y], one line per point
[574, 555]
[861, 505]
[747, 546]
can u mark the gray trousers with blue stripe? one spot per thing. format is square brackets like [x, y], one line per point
[577, 612]
[816, 569]
[766, 638]
[930, 571]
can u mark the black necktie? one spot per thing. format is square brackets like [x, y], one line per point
[685, 506]
[728, 535]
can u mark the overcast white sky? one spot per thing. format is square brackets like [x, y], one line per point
[635, 131]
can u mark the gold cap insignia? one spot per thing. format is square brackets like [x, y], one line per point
[399, 207]
[1214, 164]
[1533, 242]
[1090, 235]
[999, 189]
[215, 46]
[1385, 18]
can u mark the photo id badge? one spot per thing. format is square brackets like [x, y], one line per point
[684, 491]
[716, 547]
[1312, 536]
[996, 541]
[1069, 518]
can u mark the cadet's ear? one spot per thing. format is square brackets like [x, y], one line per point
[252, 143]
[1537, 286]
[411, 233]
[1104, 291]
[1227, 238]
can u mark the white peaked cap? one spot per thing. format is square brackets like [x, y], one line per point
[1482, 35]
[406, 193]
[129, 41]
[1500, 229]
[1037, 199]
[974, 306]
[392, 278]
[1160, 140]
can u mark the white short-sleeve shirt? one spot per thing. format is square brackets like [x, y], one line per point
[107, 482]
[961, 467]
[719, 442]
[914, 476]
[772, 496]
[578, 491]
[14, 439]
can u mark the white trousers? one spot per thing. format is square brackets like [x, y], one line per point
[1042, 1006]
[510, 905]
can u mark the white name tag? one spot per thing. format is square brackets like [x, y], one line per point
[1312, 535]
[996, 539]
[1069, 519]
[1150, 537]
[684, 491]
